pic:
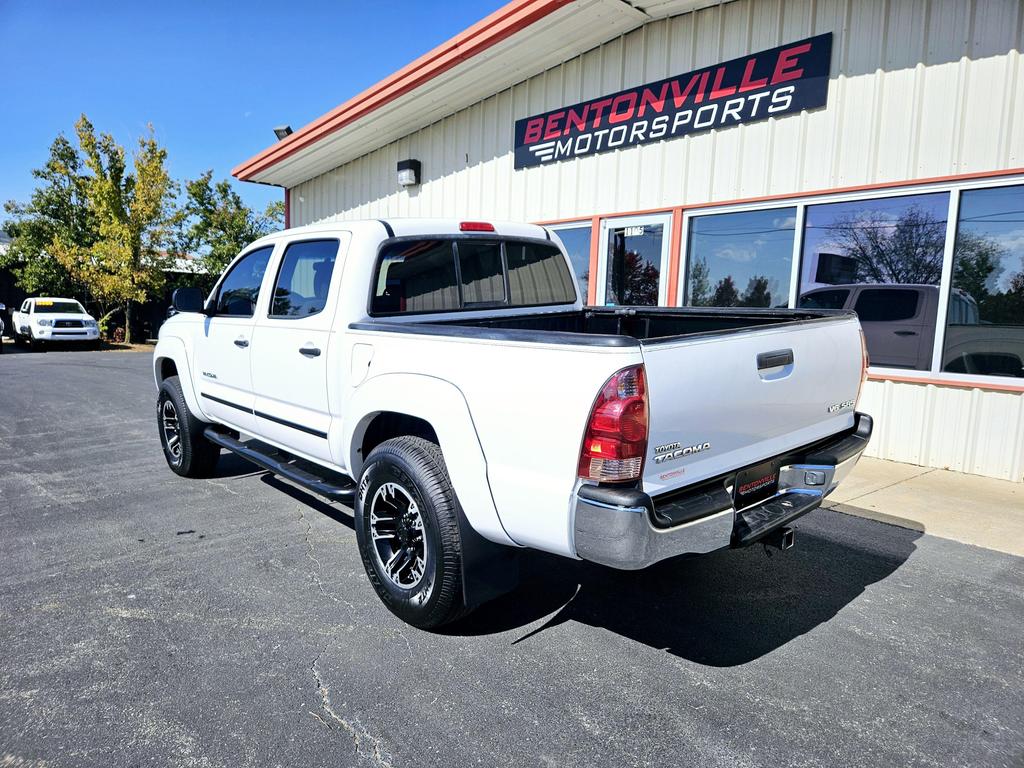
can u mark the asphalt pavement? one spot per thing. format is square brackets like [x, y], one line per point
[147, 619]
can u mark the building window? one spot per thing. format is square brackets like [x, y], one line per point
[985, 315]
[634, 264]
[740, 259]
[577, 244]
[886, 253]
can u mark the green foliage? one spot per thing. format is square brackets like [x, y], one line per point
[215, 225]
[725, 294]
[132, 211]
[58, 209]
[105, 228]
[757, 293]
[700, 284]
[977, 264]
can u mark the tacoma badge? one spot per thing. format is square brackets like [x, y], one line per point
[670, 451]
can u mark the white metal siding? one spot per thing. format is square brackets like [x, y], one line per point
[919, 88]
[967, 430]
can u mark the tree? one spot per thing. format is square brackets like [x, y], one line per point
[977, 263]
[132, 211]
[908, 250]
[700, 285]
[58, 209]
[757, 293]
[216, 225]
[725, 293]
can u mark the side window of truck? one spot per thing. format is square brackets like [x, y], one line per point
[825, 299]
[240, 287]
[875, 305]
[304, 278]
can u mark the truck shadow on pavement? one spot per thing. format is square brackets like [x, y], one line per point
[723, 609]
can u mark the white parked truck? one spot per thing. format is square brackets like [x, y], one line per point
[53, 319]
[445, 379]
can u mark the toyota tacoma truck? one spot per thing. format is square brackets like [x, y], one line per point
[445, 379]
[53, 319]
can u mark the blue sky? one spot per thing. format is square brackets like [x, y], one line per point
[212, 77]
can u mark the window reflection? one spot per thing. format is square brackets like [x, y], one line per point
[740, 259]
[886, 255]
[634, 264]
[985, 318]
[577, 244]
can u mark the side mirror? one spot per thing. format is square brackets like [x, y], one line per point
[187, 300]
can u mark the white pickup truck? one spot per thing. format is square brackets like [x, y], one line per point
[53, 319]
[445, 379]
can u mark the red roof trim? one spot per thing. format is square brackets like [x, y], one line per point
[486, 33]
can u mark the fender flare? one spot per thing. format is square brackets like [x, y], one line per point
[173, 348]
[442, 405]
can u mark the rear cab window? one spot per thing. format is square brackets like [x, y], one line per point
[451, 274]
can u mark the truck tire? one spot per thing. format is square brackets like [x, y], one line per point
[187, 451]
[406, 520]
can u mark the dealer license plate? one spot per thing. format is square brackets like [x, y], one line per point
[756, 484]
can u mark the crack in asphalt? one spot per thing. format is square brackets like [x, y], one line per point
[366, 744]
[315, 573]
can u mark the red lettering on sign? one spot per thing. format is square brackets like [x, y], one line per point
[746, 84]
[717, 91]
[653, 100]
[703, 87]
[553, 129]
[679, 97]
[627, 100]
[534, 127]
[574, 120]
[784, 65]
[598, 109]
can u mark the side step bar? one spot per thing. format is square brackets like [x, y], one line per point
[755, 523]
[320, 480]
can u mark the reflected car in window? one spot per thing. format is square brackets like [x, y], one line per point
[898, 320]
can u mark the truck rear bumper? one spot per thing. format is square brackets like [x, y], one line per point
[623, 528]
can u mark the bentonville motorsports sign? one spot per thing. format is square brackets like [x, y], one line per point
[771, 83]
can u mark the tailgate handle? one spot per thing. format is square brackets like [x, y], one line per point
[774, 359]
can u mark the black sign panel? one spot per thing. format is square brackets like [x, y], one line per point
[771, 83]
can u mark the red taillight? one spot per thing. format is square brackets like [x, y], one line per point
[475, 226]
[865, 361]
[615, 440]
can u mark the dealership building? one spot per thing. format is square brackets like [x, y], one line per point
[859, 154]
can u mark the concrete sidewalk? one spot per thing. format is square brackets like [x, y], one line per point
[967, 508]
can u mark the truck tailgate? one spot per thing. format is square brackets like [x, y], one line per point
[730, 400]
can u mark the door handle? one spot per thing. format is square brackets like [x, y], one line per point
[905, 333]
[774, 359]
[243, 343]
[309, 351]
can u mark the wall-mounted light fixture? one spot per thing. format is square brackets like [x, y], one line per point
[282, 131]
[408, 173]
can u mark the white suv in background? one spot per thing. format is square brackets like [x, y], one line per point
[53, 319]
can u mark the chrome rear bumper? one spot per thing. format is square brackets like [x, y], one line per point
[617, 527]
